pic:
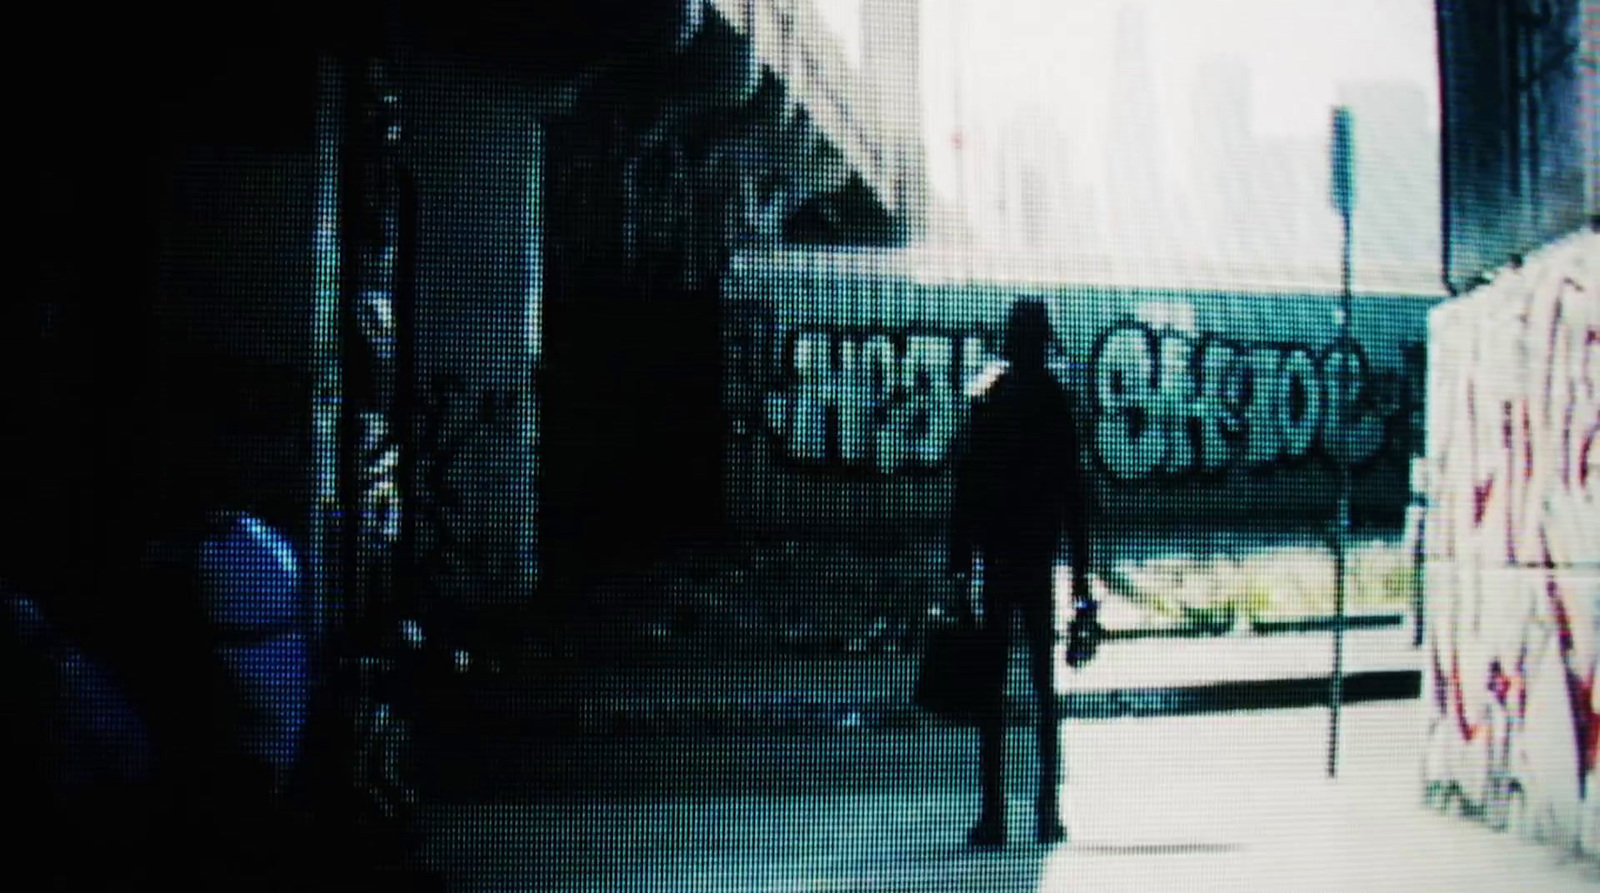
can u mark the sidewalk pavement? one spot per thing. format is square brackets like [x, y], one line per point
[1233, 802]
[680, 690]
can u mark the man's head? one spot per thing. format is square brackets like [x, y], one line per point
[1027, 332]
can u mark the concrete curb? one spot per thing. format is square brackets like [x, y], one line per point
[809, 716]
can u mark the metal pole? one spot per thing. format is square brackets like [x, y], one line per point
[323, 578]
[406, 582]
[1418, 550]
[1341, 525]
[1344, 200]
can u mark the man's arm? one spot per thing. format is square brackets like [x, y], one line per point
[1083, 641]
[959, 558]
[1076, 503]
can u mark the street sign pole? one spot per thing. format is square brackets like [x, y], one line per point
[1343, 196]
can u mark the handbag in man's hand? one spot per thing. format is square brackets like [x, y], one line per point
[959, 677]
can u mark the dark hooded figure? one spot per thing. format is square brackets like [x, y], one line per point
[1019, 488]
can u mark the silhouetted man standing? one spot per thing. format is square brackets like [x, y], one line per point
[1018, 489]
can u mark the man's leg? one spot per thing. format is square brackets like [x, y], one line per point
[997, 612]
[1039, 620]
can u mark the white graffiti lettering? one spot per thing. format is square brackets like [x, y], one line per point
[1170, 403]
[879, 401]
[1164, 402]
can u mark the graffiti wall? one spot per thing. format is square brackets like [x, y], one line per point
[845, 393]
[1512, 569]
[1212, 423]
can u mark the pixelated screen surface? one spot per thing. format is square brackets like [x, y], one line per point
[767, 445]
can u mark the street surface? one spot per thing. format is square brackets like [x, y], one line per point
[1225, 801]
[680, 687]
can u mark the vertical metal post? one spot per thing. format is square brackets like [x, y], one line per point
[1344, 200]
[1419, 504]
[323, 579]
[405, 582]
[1340, 533]
[352, 237]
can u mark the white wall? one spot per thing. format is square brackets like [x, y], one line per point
[1513, 544]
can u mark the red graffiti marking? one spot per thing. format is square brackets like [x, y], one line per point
[1580, 691]
[1592, 750]
[1469, 731]
[1480, 501]
[1500, 684]
[1441, 685]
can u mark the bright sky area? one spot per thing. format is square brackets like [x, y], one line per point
[1008, 74]
[1056, 57]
